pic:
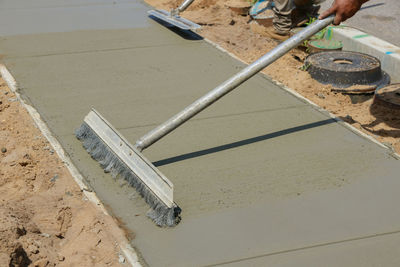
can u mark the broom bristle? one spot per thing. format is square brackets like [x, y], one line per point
[111, 163]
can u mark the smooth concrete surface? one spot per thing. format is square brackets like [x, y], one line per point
[381, 250]
[260, 175]
[31, 17]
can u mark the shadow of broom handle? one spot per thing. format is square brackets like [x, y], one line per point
[233, 82]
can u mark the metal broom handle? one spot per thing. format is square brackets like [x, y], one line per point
[181, 8]
[185, 5]
[230, 84]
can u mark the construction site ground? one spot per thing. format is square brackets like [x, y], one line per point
[262, 176]
[45, 219]
[234, 33]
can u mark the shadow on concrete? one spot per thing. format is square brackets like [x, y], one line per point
[185, 34]
[241, 143]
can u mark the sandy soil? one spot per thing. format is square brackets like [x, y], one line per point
[233, 32]
[45, 220]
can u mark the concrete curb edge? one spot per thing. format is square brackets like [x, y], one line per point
[127, 250]
[315, 106]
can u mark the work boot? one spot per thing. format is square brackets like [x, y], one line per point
[275, 34]
[288, 15]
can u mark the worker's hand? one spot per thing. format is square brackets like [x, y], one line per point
[343, 9]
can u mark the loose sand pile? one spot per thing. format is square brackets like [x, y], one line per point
[233, 33]
[45, 220]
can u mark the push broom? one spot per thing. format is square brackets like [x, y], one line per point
[117, 156]
[173, 17]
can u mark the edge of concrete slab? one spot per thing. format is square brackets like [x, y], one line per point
[126, 249]
[353, 40]
[356, 40]
[315, 106]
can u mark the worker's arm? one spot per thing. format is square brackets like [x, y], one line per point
[343, 9]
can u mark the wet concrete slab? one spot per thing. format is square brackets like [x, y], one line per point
[258, 173]
[51, 44]
[23, 4]
[379, 250]
[63, 16]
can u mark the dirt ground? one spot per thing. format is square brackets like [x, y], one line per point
[45, 219]
[233, 32]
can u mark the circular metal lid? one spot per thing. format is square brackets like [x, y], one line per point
[388, 96]
[346, 71]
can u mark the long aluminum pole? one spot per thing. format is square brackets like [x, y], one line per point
[248, 72]
[184, 5]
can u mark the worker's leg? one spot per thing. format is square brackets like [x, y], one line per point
[282, 20]
[288, 14]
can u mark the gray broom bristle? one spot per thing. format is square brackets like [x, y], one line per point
[111, 163]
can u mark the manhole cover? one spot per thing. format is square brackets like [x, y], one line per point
[347, 72]
[321, 45]
[388, 96]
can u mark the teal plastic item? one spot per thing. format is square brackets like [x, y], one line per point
[260, 7]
